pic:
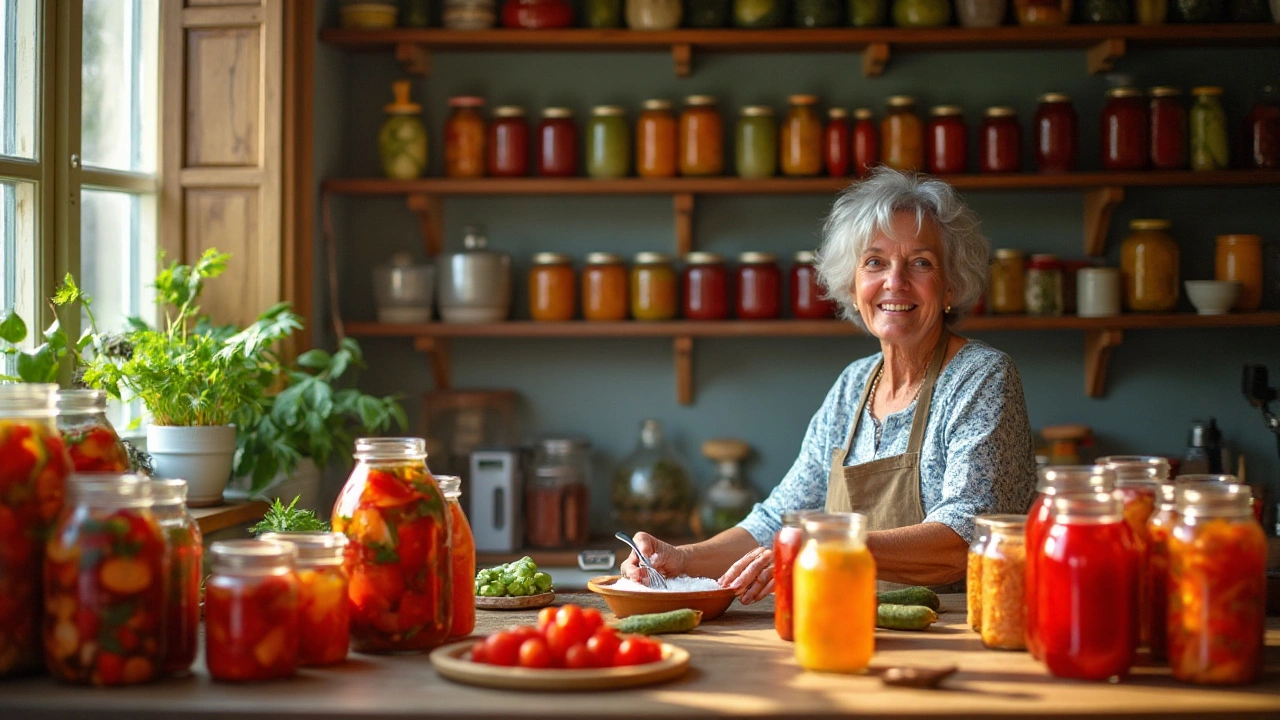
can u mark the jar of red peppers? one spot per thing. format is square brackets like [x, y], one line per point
[1217, 587]
[1262, 130]
[1000, 141]
[462, 560]
[464, 136]
[91, 441]
[706, 287]
[807, 301]
[1168, 129]
[866, 142]
[1057, 134]
[324, 613]
[182, 591]
[1138, 480]
[557, 143]
[105, 568]
[508, 142]
[759, 286]
[1124, 130]
[948, 140]
[836, 143]
[1003, 583]
[397, 525]
[251, 611]
[786, 546]
[32, 482]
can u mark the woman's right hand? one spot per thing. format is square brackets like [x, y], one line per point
[665, 557]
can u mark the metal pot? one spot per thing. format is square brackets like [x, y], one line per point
[475, 284]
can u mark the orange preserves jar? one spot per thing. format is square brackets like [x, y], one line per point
[801, 145]
[1003, 623]
[656, 140]
[551, 287]
[1149, 267]
[834, 594]
[902, 135]
[604, 287]
[1239, 257]
[462, 554]
[464, 138]
[653, 287]
[701, 137]
[324, 614]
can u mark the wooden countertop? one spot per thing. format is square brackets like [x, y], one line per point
[219, 517]
[739, 667]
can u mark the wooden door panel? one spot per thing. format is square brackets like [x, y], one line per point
[224, 78]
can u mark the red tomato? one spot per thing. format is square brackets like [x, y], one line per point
[572, 625]
[502, 649]
[386, 490]
[534, 653]
[110, 668]
[478, 652]
[546, 615]
[558, 641]
[578, 657]
[524, 632]
[603, 645]
[636, 650]
[593, 619]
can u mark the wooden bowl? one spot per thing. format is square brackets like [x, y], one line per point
[712, 603]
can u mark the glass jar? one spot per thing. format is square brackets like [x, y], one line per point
[973, 573]
[1043, 12]
[1044, 286]
[397, 559]
[834, 594]
[656, 140]
[1057, 134]
[654, 14]
[1239, 258]
[1105, 12]
[1168, 129]
[1003, 578]
[1198, 11]
[1124, 130]
[464, 135]
[948, 140]
[1086, 582]
[1098, 292]
[1150, 12]
[836, 143]
[551, 287]
[537, 14]
[104, 593]
[1149, 267]
[815, 13]
[604, 287]
[1138, 481]
[1262, 130]
[921, 13]
[756, 142]
[602, 14]
[651, 488]
[730, 497]
[402, 139]
[866, 142]
[186, 572]
[807, 295]
[801, 142]
[508, 142]
[1000, 141]
[903, 135]
[701, 137]
[759, 286]
[557, 505]
[786, 546]
[608, 143]
[1217, 587]
[557, 143]
[1006, 294]
[706, 287]
[1209, 150]
[90, 440]
[981, 13]
[653, 287]
[251, 611]
[706, 13]
[469, 14]
[462, 560]
[757, 13]
[324, 613]
[1157, 571]
[1249, 11]
[868, 13]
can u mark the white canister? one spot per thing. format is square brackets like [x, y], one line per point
[1098, 292]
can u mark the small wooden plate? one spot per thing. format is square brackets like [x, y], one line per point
[521, 602]
[454, 662]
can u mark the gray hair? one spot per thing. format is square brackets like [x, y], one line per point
[866, 209]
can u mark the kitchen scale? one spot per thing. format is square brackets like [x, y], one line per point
[497, 499]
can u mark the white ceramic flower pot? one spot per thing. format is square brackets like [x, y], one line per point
[200, 455]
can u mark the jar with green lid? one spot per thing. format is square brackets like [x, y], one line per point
[757, 13]
[706, 13]
[602, 13]
[921, 13]
[815, 13]
[1105, 12]
[1197, 11]
[868, 13]
[1044, 286]
[402, 141]
[756, 142]
[1149, 267]
[608, 143]
[1208, 130]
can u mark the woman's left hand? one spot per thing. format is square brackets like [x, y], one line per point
[751, 577]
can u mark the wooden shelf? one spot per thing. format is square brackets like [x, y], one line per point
[220, 517]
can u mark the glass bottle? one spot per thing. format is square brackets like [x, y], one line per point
[1262, 130]
[251, 611]
[604, 287]
[1043, 12]
[1138, 481]
[801, 141]
[1003, 583]
[1057, 134]
[757, 13]
[90, 440]
[1168, 129]
[462, 560]
[834, 594]
[653, 287]
[464, 135]
[807, 297]
[656, 140]
[1044, 286]
[730, 496]
[1125, 126]
[602, 14]
[324, 612]
[402, 140]
[973, 573]
[397, 558]
[551, 287]
[557, 143]
[902, 135]
[557, 504]
[35, 471]
[786, 546]
[1209, 148]
[1157, 571]
[866, 142]
[1149, 267]
[186, 572]
[508, 142]
[651, 488]
[701, 137]
[1239, 258]
[608, 143]
[1000, 141]
[756, 142]
[868, 13]
[836, 143]
[1150, 12]
[1006, 294]
[921, 13]
[948, 140]
[759, 286]
[706, 287]
[654, 14]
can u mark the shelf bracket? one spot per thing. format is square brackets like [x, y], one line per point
[682, 54]
[437, 350]
[684, 223]
[874, 57]
[684, 370]
[1097, 355]
[1102, 57]
[430, 212]
[415, 58]
[1098, 204]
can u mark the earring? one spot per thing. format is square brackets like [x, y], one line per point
[947, 310]
[854, 306]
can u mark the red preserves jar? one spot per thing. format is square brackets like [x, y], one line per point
[91, 442]
[1168, 129]
[182, 592]
[948, 140]
[324, 613]
[1157, 571]
[464, 138]
[557, 143]
[1124, 130]
[786, 546]
[807, 302]
[462, 560]
[1000, 141]
[1057, 134]
[508, 142]
[251, 611]
[866, 142]
[535, 14]
[1138, 480]
[1262, 130]
[706, 287]
[836, 143]
[759, 286]
[397, 525]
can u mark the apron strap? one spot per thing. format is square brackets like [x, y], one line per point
[841, 453]
[921, 417]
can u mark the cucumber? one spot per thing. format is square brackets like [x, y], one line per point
[912, 596]
[675, 621]
[904, 617]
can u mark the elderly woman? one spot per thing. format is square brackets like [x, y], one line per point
[920, 437]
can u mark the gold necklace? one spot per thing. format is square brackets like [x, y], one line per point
[875, 383]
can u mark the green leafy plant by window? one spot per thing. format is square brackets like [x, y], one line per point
[44, 363]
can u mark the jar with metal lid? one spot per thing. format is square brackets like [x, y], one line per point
[604, 287]
[1262, 128]
[557, 143]
[90, 439]
[1003, 583]
[464, 136]
[1168, 129]
[656, 140]
[866, 142]
[1006, 294]
[1209, 149]
[608, 143]
[902, 135]
[653, 287]
[469, 14]
[807, 295]
[1150, 12]
[1138, 481]
[602, 14]
[1000, 141]
[730, 497]
[324, 613]
[757, 13]
[834, 594]
[948, 140]
[654, 14]
[786, 546]
[251, 611]
[1057, 135]
[402, 139]
[1125, 127]
[1149, 267]
[759, 286]
[1043, 12]
[706, 287]
[981, 13]
[1098, 291]
[508, 142]
[973, 573]
[837, 143]
[557, 506]
[1044, 285]
[537, 14]
[182, 591]
[801, 138]
[756, 142]
[462, 560]
[921, 13]
[1239, 258]
[868, 13]
[701, 137]
[106, 559]
[551, 287]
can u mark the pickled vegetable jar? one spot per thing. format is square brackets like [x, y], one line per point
[801, 142]
[756, 142]
[1000, 141]
[105, 569]
[251, 611]
[402, 139]
[834, 594]
[807, 297]
[602, 14]
[706, 287]
[759, 286]
[902, 135]
[786, 546]
[1168, 129]
[608, 143]
[921, 13]
[33, 480]
[1043, 12]
[701, 137]
[757, 13]
[557, 143]
[1150, 12]
[1003, 583]
[836, 143]
[1006, 293]
[1138, 481]
[651, 487]
[1217, 587]
[397, 558]
[973, 573]
[182, 589]
[948, 140]
[815, 13]
[868, 13]
[537, 14]
[653, 287]
[1239, 258]
[508, 142]
[1208, 130]
[464, 136]
[1109, 12]
[1124, 130]
[551, 287]
[1149, 267]
[656, 140]
[654, 14]
[324, 613]
[1044, 286]
[1262, 130]
[981, 13]
[1057, 134]
[604, 287]
[866, 142]
[91, 442]
[706, 13]
[462, 554]
[1157, 571]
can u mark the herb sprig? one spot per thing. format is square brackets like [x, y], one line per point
[279, 518]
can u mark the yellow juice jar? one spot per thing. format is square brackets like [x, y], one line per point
[834, 587]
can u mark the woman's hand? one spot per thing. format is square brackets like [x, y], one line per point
[665, 558]
[751, 578]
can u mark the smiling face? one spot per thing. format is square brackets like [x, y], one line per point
[901, 288]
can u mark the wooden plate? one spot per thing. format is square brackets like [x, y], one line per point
[454, 662]
[521, 602]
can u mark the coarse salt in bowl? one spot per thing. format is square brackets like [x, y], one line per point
[625, 598]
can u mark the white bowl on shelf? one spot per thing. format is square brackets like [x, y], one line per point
[1213, 297]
